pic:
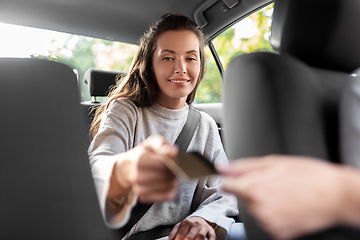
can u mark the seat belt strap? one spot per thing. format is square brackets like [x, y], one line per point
[187, 132]
[182, 141]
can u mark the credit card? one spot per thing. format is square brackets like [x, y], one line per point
[190, 165]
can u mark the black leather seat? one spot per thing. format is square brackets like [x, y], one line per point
[289, 103]
[47, 190]
[100, 82]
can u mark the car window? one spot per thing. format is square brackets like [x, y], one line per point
[251, 34]
[208, 91]
[79, 52]
[248, 35]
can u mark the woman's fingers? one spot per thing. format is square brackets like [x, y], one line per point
[174, 231]
[161, 146]
[192, 228]
[151, 180]
[183, 230]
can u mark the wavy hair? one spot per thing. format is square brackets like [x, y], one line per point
[140, 84]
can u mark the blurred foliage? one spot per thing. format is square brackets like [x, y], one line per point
[248, 35]
[92, 53]
[210, 87]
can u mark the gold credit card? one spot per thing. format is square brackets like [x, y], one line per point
[190, 165]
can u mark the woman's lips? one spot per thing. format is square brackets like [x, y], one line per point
[179, 81]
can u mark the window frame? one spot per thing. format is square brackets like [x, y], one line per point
[210, 40]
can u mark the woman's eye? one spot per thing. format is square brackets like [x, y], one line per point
[192, 59]
[167, 58]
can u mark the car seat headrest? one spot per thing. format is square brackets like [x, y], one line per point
[322, 33]
[100, 81]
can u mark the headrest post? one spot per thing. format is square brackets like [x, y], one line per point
[93, 99]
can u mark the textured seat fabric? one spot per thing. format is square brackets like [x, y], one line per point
[289, 103]
[282, 106]
[47, 190]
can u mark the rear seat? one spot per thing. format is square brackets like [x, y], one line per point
[100, 81]
[215, 110]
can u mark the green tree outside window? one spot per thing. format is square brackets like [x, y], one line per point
[248, 35]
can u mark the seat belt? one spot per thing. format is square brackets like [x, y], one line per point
[182, 141]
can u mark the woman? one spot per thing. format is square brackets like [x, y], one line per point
[144, 114]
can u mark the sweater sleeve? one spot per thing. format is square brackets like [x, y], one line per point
[210, 202]
[115, 136]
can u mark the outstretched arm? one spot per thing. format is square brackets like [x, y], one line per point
[142, 171]
[292, 196]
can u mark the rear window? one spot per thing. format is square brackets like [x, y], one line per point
[79, 52]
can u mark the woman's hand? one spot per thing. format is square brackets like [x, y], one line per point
[192, 228]
[142, 170]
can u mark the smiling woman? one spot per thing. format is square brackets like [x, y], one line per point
[82, 53]
[176, 63]
[137, 129]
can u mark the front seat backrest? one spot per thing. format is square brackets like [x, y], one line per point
[288, 103]
[47, 190]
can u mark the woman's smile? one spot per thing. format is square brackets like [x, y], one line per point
[179, 81]
[176, 64]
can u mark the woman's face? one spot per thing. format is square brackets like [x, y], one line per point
[176, 64]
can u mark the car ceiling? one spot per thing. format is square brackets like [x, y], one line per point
[119, 20]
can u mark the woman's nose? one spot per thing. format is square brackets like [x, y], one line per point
[180, 67]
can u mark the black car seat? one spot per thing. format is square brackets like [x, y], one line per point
[47, 190]
[100, 83]
[288, 103]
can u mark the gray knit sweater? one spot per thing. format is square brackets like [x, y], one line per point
[123, 127]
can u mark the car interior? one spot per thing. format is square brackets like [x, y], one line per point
[101, 81]
[281, 102]
[292, 103]
[47, 190]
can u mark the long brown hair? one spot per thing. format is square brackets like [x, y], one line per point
[140, 84]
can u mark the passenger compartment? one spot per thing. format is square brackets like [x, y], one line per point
[100, 81]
